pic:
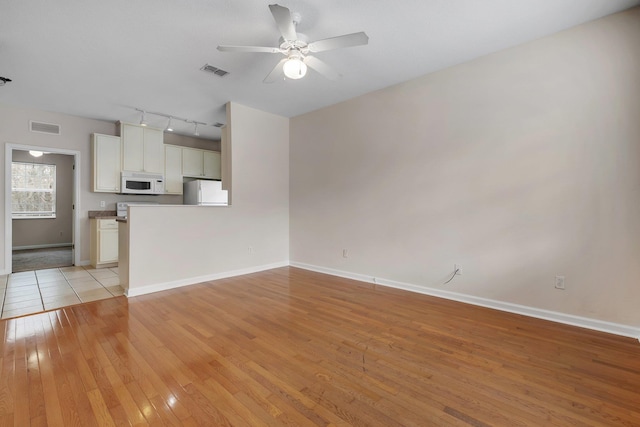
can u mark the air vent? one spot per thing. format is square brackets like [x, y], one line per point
[218, 124]
[215, 70]
[49, 128]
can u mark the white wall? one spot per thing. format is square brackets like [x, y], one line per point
[175, 245]
[519, 166]
[75, 131]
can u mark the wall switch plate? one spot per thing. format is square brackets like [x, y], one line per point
[345, 253]
[102, 204]
[560, 282]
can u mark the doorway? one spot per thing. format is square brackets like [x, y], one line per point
[43, 234]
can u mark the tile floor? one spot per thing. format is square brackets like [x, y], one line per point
[35, 291]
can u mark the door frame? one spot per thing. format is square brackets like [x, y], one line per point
[8, 225]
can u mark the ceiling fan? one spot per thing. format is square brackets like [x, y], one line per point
[296, 49]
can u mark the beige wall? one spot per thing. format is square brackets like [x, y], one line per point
[519, 166]
[175, 245]
[49, 231]
[190, 141]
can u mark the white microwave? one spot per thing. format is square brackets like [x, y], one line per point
[141, 183]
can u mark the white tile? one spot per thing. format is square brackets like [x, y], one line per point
[12, 282]
[35, 304]
[110, 281]
[82, 281]
[103, 274]
[59, 283]
[78, 274]
[6, 314]
[50, 304]
[50, 292]
[94, 295]
[116, 290]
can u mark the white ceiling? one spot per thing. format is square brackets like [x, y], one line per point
[102, 59]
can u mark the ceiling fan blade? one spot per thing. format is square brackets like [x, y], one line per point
[277, 73]
[322, 68]
[283, 19]
[348, 40]
[250, 49]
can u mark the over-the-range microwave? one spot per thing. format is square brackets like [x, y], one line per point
[141, 183]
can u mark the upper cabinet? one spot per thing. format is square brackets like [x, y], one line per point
[105, 151]
[198, 163]
[142, 148]
[173, 169]
[211, 160]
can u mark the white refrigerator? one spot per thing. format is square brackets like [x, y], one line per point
[203, 192]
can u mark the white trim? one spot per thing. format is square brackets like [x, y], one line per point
[52, 245]
[568, 319]
[8, 227]
[143, 290]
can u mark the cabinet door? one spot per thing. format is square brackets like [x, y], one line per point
[211, 160]
[106, 163]
[132, 148]
[192, 163]
[173, 169]
[108, 246]
[153, 150]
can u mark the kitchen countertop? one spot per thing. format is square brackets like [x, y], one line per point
[102, 214]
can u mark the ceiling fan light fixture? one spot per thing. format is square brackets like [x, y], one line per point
[295, 68]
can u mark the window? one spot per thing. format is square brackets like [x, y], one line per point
[33, 190]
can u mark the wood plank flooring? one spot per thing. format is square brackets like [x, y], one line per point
[296, 348]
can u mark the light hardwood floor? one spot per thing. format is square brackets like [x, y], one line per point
[291, 347]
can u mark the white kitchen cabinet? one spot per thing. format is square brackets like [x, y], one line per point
[105, 151]
[104, 242]
[211, 160]
[172, 169]
[142, 148]
[200, 163]
[192, 162]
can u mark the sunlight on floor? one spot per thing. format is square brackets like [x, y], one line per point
[35, 291]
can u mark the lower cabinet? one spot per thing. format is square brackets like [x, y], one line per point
[104, 242]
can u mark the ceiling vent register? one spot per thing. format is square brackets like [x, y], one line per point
[40, 127]
[215, 70]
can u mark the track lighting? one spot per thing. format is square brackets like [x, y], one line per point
[170, 120]
[143, 122]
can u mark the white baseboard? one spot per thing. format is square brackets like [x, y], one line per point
[569, 319]
[52, 245]
[143, 290]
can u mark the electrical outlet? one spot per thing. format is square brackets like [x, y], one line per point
[457, 269]
[102, 204]
[250, 249]
[560, 282]
[345, 253]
